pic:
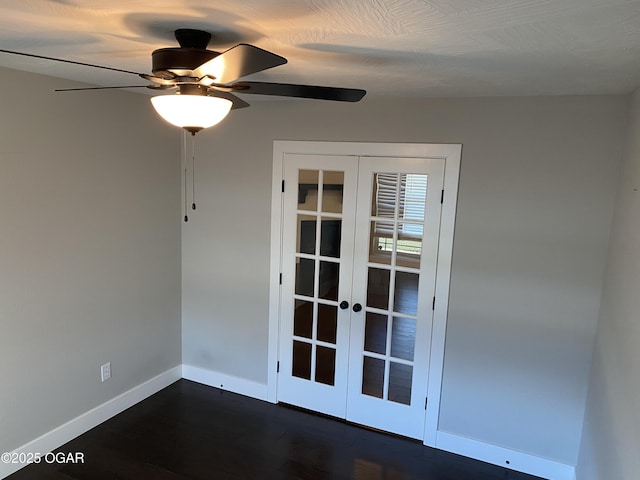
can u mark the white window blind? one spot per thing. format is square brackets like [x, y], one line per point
[386, 193]
[410, 198]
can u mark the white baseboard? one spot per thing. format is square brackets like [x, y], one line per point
[467, 447]
[504, 457]
[225, 382]
[85, 422]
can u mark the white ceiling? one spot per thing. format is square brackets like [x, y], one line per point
[429, 48]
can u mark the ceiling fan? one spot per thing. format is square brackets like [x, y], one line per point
[206, 82]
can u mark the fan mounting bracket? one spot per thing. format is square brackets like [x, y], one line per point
[190, 38]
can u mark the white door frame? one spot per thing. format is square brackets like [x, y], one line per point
[451, 154]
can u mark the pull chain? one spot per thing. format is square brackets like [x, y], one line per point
[184, 158]
[186, 217]
[193, 172]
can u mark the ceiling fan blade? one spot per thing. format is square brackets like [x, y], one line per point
[238, 61]
[106, 88]
[303, 91]
[69, 61]
[237, 102]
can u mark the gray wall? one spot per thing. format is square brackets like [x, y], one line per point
[611, 439]
[536, 198]
[89, 250]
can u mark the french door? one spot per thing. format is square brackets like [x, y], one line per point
[359, 254]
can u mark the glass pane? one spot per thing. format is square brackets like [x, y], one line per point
[308, 190]
[409, 245]
[406, 293]
[306, 234]
[413, 196]
[332, 188]
[327, 323]
[372, 377]
[384, 198]
[303, 319]
[325, 365]
[378, 288]
[330, 234]
[301, 360]
[400, 377]
[381, 242]
[403, 338]
[375, 333]
[304, 276]
[329, 274]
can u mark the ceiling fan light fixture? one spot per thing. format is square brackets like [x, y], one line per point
[191, 112]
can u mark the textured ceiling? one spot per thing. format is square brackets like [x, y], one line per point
[429, 48]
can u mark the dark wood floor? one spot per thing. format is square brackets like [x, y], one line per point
[191, 431]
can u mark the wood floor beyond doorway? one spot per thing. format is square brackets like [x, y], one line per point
[191, 431]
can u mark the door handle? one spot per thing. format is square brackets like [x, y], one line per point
[344, 305]
[357, 307]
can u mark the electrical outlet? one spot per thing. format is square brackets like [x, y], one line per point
[105, 371]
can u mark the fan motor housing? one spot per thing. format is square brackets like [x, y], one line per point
[169, 62]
